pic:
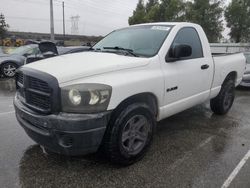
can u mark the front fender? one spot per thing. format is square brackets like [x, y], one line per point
[18, 63]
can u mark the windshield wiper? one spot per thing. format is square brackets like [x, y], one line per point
[130, 51]
[95, 49]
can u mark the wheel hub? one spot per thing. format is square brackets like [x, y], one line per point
[135, 134]
[9, 70]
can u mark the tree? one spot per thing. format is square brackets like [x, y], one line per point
[172, 10]
[138, 14]
[156, 11]
[3, 27]
[152, 11]
[150, 4]
[208, 14]
[237, 15]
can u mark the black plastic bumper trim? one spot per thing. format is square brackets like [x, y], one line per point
[68, 134]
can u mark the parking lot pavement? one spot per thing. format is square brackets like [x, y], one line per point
[192, 149]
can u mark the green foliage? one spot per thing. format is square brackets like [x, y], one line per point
[152, 11]
[3, 26]
[172, 10]
[237, 15]
[156, 11]
[208, 14]
[139, 14]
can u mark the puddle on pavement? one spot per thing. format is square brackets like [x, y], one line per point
[7, 87]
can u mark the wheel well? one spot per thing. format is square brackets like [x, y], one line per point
[9, 62]
[231, 76]
[148, 98]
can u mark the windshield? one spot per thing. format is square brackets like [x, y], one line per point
[248, 58]
[141, 40]
[28, 49]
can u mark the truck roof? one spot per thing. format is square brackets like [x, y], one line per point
[168, 23]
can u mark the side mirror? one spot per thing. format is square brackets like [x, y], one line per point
[178, 51]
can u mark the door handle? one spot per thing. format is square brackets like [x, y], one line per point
[206, 66]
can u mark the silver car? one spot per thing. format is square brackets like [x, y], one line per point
[10, 62]
[246, 78]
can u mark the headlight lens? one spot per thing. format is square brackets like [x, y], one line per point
[75, 97]
[94, 97]
[85, 98]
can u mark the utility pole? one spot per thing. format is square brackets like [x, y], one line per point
[52, 34]
[63, 21]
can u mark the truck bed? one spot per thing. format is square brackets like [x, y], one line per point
[225, 63]
[223, 54]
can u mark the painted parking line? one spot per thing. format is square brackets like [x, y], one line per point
[236, 170]
[5, 113]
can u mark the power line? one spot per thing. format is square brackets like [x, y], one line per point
[92, 6]
[36, 2]
[33, 19]
[98, 9]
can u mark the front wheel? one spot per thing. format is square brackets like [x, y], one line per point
[9, 70]
[224, 101]
[129, 134]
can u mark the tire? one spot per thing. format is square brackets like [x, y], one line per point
[129, 134]
[9, 70]
[223, 102]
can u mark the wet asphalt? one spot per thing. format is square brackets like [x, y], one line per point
[192, 149]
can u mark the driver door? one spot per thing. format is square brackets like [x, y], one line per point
[186, 82]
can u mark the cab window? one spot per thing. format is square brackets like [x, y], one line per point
[189, 36]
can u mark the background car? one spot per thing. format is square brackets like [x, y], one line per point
[246, 78]
[49, 49]
[10, 62]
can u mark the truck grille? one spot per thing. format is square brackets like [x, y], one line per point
[246, 81]
[39, 85]
[39, 101]
[34, 93]
[20, 78]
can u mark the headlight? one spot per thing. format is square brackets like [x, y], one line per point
[75, 97]
[85, 98]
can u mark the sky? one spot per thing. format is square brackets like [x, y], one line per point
[96, 17]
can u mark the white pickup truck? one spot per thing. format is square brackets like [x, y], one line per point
[111, 97]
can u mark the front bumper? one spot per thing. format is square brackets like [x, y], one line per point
[68, 134]
[245, 81]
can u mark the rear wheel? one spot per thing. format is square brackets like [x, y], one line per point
[9, 69]
[129, 134]
[224, 101]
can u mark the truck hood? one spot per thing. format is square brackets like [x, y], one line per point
[79, 65]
